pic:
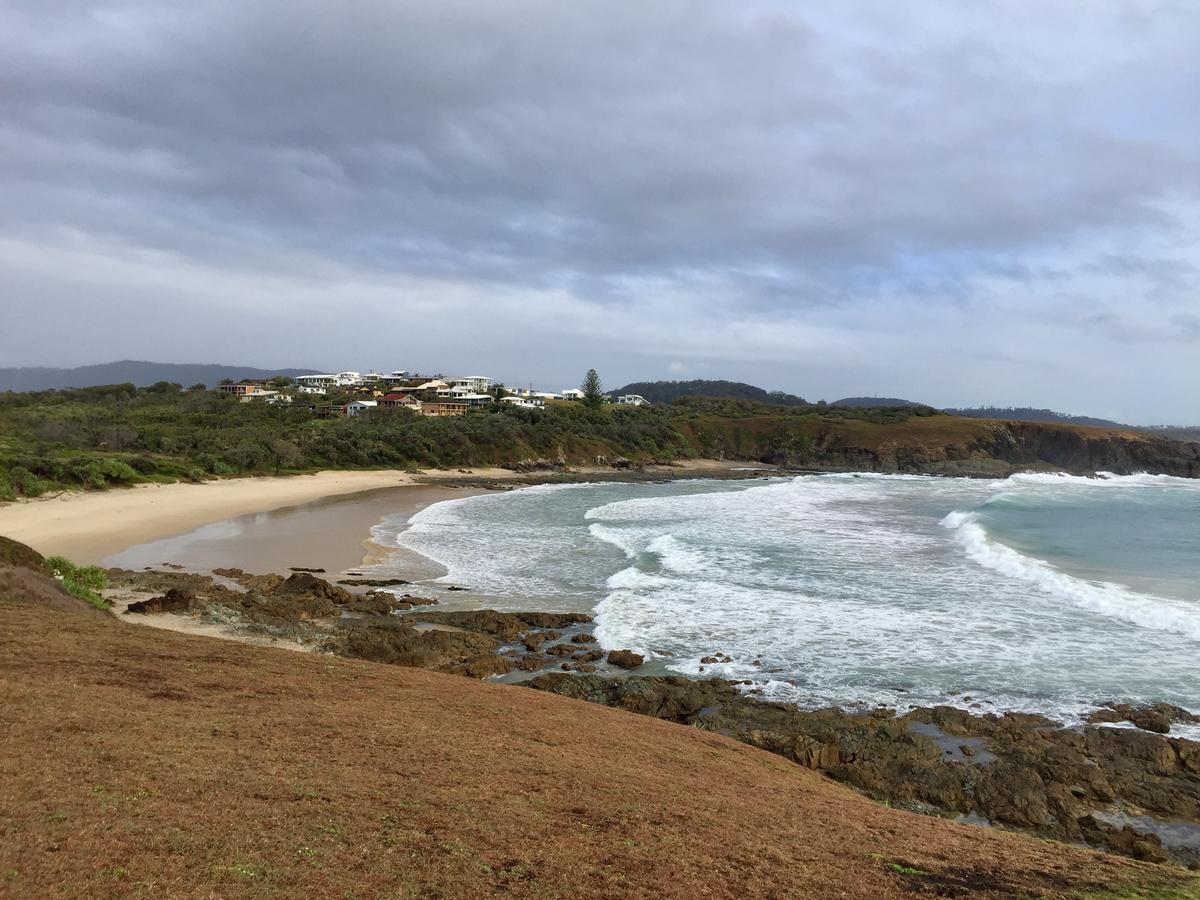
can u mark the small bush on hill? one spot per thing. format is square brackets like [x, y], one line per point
[84, 582]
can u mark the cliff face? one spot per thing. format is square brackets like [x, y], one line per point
[1086, 450]
[942, 445]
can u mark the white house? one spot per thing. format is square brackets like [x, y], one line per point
[479, 384]
[357, 407]
[546, 395]
[633, 400]
[572, 394]
[473, 400]
[525, 402]
[266, 396]
[314, 384]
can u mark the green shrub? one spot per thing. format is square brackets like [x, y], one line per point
[26, 483]
[84, 582]
[6, 489]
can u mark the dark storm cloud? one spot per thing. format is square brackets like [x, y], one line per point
[759, 164]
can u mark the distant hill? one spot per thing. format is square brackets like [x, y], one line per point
[669, 391]
[128, 370]
[873, 402]
[1029, 414]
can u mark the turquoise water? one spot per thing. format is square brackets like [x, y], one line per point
[1038, 592]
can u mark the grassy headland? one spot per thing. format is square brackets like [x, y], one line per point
[140, 763]
[93, 438]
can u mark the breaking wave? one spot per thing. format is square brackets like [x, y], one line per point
[1104, 598]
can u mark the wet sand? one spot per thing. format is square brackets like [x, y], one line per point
[332, 533]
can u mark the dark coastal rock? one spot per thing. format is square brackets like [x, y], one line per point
[583, 638]
[304, 584]
[1018, 769]
[1151, 720]
[508, 626]
[284, 609]
[541, 464]
[1124, 840]
[1157, 718]
[303, 569]
[397, 643]
[560, 650]
[534, 640]
[373, 582]
[483, 666]
[264, 583]
[379, 603]
[174, 600]
[626, 659]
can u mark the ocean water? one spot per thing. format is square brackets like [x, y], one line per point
[1039, 592]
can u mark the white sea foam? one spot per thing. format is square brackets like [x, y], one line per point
[846, 589]
[1106, 599]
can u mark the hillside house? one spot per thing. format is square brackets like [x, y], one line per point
[525, 402]
[356, 408]
[400, 400]
[633, 400]
[242, 388]
[443, 408]
[476, 384]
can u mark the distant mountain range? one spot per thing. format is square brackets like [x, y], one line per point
[670, 391]
[134, 371]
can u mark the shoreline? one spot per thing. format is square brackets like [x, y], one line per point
[88, 527]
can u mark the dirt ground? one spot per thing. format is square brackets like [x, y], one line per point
[136, 762]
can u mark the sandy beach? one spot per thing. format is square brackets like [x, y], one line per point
[91, 527]
[330, 533]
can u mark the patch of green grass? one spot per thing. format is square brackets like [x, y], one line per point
[1188, 889]
[905, 870]
[84, 582]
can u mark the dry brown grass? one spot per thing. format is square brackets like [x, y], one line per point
[136, 762]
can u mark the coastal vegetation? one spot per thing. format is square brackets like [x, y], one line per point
[112, 435]
[83, 582]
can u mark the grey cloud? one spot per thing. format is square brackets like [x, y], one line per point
[759, 163]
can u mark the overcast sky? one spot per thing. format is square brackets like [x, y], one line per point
[959, 203]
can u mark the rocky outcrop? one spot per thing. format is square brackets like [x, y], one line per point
[174, 600]
[507, 626]
[1019, 770]
[400, 644]
[1158, 718]
[626, 659]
